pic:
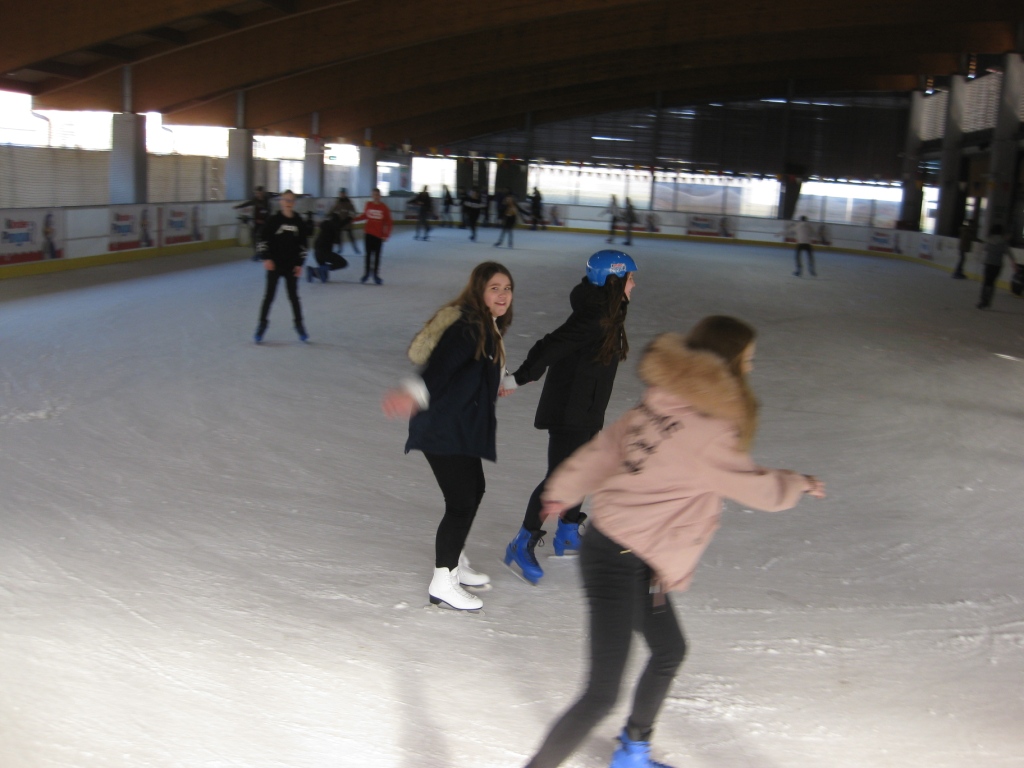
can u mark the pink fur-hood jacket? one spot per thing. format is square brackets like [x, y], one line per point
[657, 477]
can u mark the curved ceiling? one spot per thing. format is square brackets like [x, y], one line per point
[434, 73]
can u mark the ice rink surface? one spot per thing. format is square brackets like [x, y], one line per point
[215, 554]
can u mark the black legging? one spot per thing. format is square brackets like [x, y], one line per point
[508, 224]
[988, 283]
[617, 584]
[810, 257]
[292, 284]
[461, 479]
[562, 443]
[372, 245]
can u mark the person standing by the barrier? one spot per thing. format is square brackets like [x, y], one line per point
[804, 234]
[378, 229]
[629, 219]
[997, 248]
[537, 210]
[968, 232]
[424, 213]
[509, 214]
[346, 212]
[447, 201]
[615, 213]
[472, 205]
[282, 246]
[260, 204]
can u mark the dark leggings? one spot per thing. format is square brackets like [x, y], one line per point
[292, 284]
[508, 224]
[372, 245]
[617, 584]
[810, 257]
[561, 445]
[988, 283]
[461, 479]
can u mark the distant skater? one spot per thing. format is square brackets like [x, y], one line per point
[472, 205]
[346, 212]
[424, 214]
[451, 407]
[580, 359]
[656, 480]
[378, 229]
[804, 233]
[997, 248]
[615, 213]
[509, 215]
[282, 246]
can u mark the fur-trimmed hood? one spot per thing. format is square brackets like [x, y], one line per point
[426, 340]
[700, 379]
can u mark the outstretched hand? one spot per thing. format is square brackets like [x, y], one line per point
[399, 404]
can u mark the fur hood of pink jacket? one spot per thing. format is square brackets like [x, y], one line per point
[657, 477]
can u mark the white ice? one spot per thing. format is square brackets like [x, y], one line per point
[215, 554]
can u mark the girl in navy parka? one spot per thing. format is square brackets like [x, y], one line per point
[451, 406]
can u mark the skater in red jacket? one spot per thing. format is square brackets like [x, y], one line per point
[378, 229]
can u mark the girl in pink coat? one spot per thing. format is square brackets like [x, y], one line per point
[656, 480]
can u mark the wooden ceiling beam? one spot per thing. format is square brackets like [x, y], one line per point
[44, 29]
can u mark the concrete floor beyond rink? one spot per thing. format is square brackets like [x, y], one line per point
[214, 553]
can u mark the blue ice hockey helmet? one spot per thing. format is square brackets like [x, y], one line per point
[608, 262]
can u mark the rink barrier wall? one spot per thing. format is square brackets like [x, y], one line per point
[42, 240]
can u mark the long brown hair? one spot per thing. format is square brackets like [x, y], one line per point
[728, 338]
[471, 302]
[613, 322]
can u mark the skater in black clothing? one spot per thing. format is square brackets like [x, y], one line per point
[472, 204]
[346, 212]
[260, 204]
[327, 260]
[447, 201]
[996, 249]
[581, 358]
[509, 214]
[424, 214]
[282, 246]
[537, 210]
[452, 410]
[629, 219]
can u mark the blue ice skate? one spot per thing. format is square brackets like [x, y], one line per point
[301, 330]
[260, 330]
[567, 537]
[634, 754]
[520, 551]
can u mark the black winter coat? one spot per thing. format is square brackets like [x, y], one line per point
[284, 240]
[460, 419]
[578, 386]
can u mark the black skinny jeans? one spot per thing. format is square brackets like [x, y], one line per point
[988, 283]
[461, 479]
[292, 284]
[372, 245]
[508, 224]
[617, 585]
[562, 443]
[810, 257]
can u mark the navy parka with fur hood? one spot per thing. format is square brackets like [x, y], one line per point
[460, 418]
[578, 386]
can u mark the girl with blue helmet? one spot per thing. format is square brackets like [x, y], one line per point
[580, 357]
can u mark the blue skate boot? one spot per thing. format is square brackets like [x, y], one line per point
[634, 754]
[567, 537]
[261, 329]
[520, 550]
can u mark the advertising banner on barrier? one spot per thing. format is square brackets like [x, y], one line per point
[709, 226]
[883, 241]
[182, 224]
[31, 234]
[132, 226]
